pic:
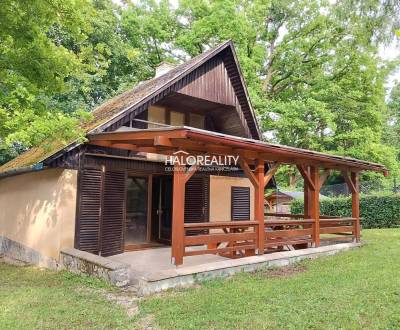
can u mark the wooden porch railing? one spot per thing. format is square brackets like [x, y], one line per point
[297, 232]
[338, 228]
[232, 238]
[240, 238]
[286, 229]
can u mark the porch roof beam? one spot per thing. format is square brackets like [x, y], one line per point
[306, 176]
[247, 171]
[271, 172]
[324, 176]
[191, 139]
[349, 182]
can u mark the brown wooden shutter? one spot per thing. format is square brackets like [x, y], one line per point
[113, 215]
[101, 211]
[197, 200]
[240, 203]
[89, 210]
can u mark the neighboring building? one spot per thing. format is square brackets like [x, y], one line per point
[113, 193]
[280, 201]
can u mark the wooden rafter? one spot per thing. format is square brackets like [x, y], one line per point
[324, 176]
[247, 171]
[247, 154]
[163, 141]
[271, 172]
[306, 176]
[126, 146]
[136, 135]
[349, 181]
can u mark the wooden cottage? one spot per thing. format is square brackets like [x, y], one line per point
[121, 191]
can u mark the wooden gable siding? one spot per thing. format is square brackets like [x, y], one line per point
[239, 86]
[211, 82]
[197, 80]
[227, 54]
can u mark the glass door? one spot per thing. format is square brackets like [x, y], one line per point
[136, 211]
[162, 209]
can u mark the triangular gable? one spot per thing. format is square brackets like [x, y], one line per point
[212, 82]
[114, 113]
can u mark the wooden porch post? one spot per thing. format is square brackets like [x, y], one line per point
[259, 204]
[355, 198]
[181, 176]
[314, 204]
[353, 183]
[259, 181]
[307, 197]
[178, 212]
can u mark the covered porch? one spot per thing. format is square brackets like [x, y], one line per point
[259, 161]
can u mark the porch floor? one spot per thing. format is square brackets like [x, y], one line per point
[145, 263]
[151, 270]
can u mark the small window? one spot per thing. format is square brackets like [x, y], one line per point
[177, 118]
[156, 115]
[240, 203]
[196, 120]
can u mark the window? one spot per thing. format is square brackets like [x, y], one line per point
[156, 115]
[177, 118]
[240, 203]
[196, 120]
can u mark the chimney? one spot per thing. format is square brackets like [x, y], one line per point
[164, 67]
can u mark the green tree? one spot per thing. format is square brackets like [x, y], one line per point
[33, 67]
[391, 133]
[312, 67]
[58, 59]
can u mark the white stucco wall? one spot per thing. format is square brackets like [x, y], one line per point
[37, 209]
[220, 196]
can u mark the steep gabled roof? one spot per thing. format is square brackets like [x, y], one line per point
[137, 99]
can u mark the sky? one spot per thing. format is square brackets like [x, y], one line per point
[391, 52]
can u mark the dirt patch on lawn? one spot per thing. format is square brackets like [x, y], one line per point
[286, 271]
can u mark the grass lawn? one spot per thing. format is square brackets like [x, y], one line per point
[39, 299]
[352, 290]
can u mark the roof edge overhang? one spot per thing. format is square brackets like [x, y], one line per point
[22, 170]
[166, 140]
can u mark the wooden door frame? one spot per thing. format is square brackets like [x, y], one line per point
[161, 240]
[149, 177]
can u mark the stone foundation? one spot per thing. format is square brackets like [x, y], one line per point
[22, 254]
[80, 262]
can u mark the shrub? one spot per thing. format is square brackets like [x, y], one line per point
[377, 211]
